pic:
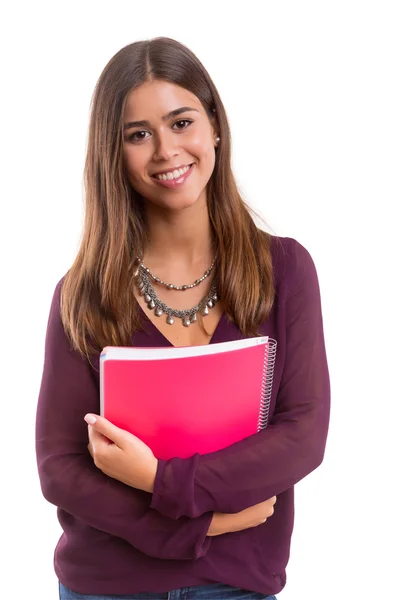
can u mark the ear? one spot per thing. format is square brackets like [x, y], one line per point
[214, 127]
[216, 136]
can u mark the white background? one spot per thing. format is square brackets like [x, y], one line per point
[313, 97]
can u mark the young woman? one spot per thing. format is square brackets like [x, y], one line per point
[162, 208]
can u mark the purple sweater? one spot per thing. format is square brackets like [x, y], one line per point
[119, 540]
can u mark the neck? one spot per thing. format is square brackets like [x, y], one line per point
[183, 238]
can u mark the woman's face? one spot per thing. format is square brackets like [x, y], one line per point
[166, 129]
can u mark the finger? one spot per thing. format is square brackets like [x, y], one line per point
[94, 436]
[101, 426]
[97, 440]
[99, 447]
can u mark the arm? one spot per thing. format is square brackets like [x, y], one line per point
[269, 462]
[70, 480]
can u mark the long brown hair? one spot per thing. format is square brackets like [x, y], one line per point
[98, 307]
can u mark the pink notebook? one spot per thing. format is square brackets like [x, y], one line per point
[188, 400]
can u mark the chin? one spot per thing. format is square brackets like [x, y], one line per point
[175, 202]
[177, 205]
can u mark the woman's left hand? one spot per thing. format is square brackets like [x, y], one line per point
[120, 454]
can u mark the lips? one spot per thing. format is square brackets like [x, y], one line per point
[174, 183]
[171, 170]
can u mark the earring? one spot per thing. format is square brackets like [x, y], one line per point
[218, 139]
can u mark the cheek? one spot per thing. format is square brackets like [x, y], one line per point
[200, 143]
[202, 148]
[134, 165]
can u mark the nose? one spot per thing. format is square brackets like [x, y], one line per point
[165, 146]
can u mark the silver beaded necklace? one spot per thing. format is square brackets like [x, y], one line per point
[171, 286]
[189, 315]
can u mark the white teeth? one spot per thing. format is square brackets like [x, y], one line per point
[174, 174]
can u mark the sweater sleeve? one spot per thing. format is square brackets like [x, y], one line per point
[68, 477]
[292, 445]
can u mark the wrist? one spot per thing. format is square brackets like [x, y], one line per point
[152, 476]
[217, 525]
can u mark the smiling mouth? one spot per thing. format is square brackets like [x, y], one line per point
[171, 175]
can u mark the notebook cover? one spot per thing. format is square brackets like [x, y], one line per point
[188, 405]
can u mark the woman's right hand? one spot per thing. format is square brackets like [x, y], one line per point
[249, 517]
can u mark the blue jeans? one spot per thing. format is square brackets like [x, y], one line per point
[215, 591]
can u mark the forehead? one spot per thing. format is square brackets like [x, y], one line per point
[157, 98]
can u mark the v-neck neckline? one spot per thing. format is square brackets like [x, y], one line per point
[168, 342]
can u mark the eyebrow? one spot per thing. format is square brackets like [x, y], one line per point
[173, 113]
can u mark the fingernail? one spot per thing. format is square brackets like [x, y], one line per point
[90, 419]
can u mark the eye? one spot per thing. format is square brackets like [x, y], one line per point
[137, 136]
[140, 136]
[189, 121]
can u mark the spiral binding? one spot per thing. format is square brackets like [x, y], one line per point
[266, 383]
